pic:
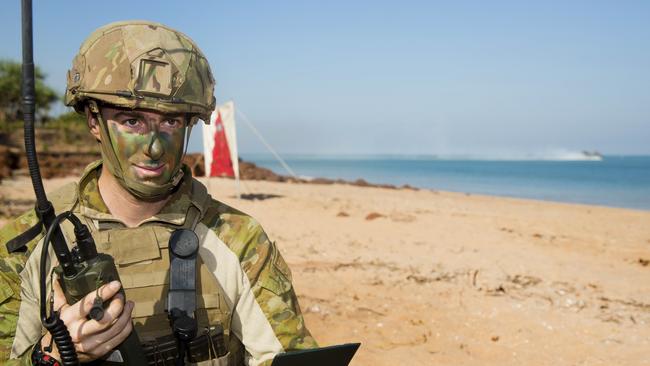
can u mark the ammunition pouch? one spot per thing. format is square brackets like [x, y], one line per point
[209, 345]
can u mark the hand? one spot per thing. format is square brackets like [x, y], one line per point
[93, 338]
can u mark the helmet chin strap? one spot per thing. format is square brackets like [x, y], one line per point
[138, 189]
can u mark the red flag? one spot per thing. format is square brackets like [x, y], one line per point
[221, 163]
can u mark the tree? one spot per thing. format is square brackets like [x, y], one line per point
[10, 92]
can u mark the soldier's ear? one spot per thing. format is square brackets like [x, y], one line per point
[93, 124]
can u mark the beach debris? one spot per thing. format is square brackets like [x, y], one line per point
[562, 288]
[373, 263]
[464, 347]
[258, 196]
[369, 310]
[611, 318]
[354, 264]
[576, 304]
[494, 338]
[406, 186]
[644, 262]
[374, 215]
[611, 340]
[474, 276]
[342, 214]
[538, 236]
[498, 291]
[627, 303]
[411, 340]
[317, 309]
[313, 309]
[547, 326]
[377, 282]
[523, 281]
[593, 286]
[420, 279]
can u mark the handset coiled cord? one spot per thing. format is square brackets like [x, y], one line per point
[53, 322]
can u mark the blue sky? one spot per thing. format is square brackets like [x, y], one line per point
[408, 77]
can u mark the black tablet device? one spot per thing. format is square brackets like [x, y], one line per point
[339, 355]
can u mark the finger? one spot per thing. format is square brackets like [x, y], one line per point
[47, 340]
[82, 307]
[59, 296]
[113, 310]
[86, 328]
[107, 347]
[95, 344]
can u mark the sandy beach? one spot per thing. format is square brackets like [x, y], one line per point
[437, 278]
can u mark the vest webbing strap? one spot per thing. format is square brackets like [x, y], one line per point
[19, 243]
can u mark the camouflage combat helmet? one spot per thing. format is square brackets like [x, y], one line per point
[140, 64]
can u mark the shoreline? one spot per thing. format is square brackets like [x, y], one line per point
[60, 162]
[24, 199]
[623, 183]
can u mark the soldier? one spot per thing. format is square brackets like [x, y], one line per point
[142, 86]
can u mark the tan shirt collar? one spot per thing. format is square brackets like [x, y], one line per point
[92, 205]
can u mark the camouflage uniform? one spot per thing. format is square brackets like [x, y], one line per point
[242, 280]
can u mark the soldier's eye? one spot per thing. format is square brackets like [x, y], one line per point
[131, 122]
[172, 123]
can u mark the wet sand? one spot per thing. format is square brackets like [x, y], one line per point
[439, 278]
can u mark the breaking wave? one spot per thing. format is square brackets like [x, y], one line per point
[556, 155]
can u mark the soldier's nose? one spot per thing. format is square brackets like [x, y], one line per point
[155, 149]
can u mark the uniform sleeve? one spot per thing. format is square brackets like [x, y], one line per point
[274, 292]
[269, 278]
[9, 305]
[11, 266]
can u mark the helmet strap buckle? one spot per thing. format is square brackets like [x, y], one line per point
[92, 105]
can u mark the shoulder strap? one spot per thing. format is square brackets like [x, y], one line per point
[200, 203]
[19, 243]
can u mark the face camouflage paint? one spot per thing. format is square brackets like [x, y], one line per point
[149, 151]
[144, 149]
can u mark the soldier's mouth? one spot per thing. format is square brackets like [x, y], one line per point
[149, 170]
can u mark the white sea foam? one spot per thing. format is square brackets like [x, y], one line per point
[551, 155]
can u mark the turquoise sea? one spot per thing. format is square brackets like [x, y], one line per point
[616, 181]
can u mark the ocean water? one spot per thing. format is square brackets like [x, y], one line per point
[616, 181]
